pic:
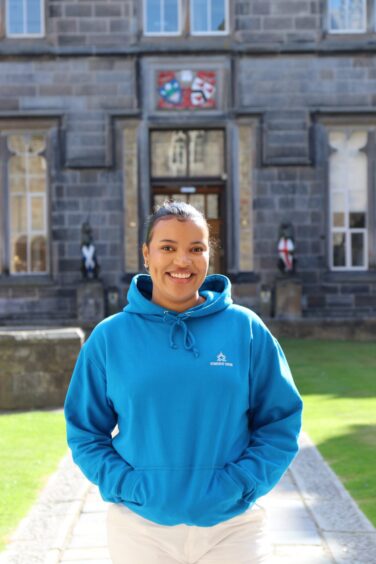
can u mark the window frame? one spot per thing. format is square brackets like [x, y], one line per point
[210, 33]
[370, 219]
[348, 31]
[7, 129]
[25, 35]
[163, 33]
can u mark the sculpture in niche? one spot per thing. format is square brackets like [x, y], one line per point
[89, 263]
[286, 249]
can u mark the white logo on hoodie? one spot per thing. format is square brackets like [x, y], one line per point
[221, 361]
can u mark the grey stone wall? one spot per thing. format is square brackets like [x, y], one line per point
[278, 21]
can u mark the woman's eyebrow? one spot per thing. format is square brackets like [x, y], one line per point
[172, 241]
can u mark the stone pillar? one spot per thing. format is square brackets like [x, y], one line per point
[288, 297]
[90, 303]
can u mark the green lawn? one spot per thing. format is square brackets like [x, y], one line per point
[31, 445]
[338, 382]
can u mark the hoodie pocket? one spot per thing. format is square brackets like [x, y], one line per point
[194, 496]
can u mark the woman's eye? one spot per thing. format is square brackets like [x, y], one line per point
[167, 248]
[198, 250]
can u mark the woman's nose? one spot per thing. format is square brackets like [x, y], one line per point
[182, 259]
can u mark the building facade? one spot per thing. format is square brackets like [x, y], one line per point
[261, 113]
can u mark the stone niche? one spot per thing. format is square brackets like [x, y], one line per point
[36, 366]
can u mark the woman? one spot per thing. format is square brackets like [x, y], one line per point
[207, 411]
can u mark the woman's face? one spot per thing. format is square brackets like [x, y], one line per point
[178, 259]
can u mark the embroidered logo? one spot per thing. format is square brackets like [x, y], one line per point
[221, 361]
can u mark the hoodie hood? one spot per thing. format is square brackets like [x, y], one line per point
[216, 289]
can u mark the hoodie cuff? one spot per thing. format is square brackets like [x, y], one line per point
[242, 478]
[129, 485]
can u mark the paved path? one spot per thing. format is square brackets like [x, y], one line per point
[311, 520]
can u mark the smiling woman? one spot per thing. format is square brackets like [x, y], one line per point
[206, 407]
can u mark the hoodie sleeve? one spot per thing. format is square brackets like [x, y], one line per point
[275, 409]
[90, 419]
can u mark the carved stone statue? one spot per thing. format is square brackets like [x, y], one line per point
[89, 263]
[286, 249]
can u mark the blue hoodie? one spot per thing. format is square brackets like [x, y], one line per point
[207, 411]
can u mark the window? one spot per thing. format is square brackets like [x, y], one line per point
[25, 18]
[162, 17]
[187, 153]
[206, 17]
[347, 16]
[209, 17]
[25, 204]
[348, 202]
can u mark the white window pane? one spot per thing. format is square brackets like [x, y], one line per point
[338, 202]
[38, 254]
[347, 15]
[357, 249]
[17, 165]
[337, 14]
[37, 165]
[355, 17]
[338, 171]
[339, 254]
[200, 15]
[18, 214]
[16, 16]
[171, 16]
[33, 17]
[17, 184]
[198, 201]
[212, 203]
[218, 15]
[37, 144]
[153, 16]
[37, 184]
[357, 200]
[16, 143]
[37, 214]
[179, 197]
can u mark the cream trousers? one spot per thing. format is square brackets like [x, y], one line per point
[135, 540]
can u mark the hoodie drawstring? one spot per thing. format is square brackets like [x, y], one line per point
[188, 338]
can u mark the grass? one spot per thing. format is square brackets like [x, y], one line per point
[337, 380]
[31, 445]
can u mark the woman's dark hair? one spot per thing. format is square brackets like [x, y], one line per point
[180, 210]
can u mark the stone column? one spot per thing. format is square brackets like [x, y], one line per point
[288, 297]
[90, 303]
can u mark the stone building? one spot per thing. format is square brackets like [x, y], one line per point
[260, 112]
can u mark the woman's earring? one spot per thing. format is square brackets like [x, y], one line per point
[146, 265]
